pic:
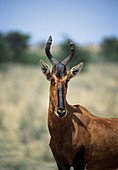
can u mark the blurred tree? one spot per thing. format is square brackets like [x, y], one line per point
[5, 52]
[17, 42]
[81, 55]
[109, 49]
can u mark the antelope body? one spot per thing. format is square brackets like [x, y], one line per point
[78, 138]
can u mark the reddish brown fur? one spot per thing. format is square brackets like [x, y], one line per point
[81, 139]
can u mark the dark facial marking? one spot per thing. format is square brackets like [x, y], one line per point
[61, 98]
[60, 70]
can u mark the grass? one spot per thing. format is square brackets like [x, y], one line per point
[24, 101]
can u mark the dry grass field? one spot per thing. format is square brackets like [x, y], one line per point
[24, 96]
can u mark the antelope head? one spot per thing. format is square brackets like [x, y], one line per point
[59, 78]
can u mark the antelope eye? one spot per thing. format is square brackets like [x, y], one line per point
[52, 81]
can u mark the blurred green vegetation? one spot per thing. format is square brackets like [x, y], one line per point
[5, 51]
[109, 49]
[14, 47]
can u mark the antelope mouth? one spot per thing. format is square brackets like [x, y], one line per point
[61, 113]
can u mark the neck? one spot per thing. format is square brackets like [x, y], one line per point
[56, 123]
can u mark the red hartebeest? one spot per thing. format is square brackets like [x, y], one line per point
[78, 138]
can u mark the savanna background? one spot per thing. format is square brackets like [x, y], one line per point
[24, 91]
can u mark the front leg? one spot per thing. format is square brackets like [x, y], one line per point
[63, 168]
[78, 166]
[78, 162]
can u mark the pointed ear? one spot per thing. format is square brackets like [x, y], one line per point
[75, 70]
[45, 69]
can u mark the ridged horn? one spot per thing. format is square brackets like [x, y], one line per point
[47, 51]
[72, 53]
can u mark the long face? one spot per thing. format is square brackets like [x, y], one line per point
[59, 79]
[58, 89]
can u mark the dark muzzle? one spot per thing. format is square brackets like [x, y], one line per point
[61, 111]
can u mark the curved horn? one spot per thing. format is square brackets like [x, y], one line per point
[47, 51]
[72, 53]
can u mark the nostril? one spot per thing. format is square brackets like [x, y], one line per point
[61, 109]
[61, 112]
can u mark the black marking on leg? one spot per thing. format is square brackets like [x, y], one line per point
[66, 167]
[78, 162]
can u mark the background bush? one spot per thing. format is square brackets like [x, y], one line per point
[5, 51]
[109, 49]
[12, 46]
